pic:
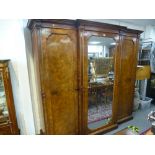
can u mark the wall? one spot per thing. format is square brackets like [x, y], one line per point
[34, 84]
[13, 47]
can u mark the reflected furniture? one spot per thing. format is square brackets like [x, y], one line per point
[8, 122]
[100, 89]
[61, 59]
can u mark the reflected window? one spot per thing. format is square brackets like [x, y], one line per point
[95, 51]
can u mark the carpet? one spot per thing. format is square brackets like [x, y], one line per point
[99, 112]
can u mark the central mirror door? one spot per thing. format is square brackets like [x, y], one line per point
[101, 54]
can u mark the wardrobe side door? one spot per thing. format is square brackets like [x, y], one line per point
[59, 51]
[127, 77]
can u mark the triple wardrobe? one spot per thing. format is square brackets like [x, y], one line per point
[86, 72]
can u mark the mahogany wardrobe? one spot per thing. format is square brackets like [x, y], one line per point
[86, 71]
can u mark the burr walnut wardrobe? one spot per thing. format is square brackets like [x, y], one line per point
[86, 71]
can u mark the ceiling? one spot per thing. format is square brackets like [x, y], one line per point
[140, 22]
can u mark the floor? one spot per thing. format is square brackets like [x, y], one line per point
[139, 120]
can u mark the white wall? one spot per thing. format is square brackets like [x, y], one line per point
[34, 84]
[12, 46]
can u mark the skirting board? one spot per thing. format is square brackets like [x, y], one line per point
[102, 131]
[122, 120]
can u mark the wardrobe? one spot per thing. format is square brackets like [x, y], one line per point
[86, 72]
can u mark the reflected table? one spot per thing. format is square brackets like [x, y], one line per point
[100, 90]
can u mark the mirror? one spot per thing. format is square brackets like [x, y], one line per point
[3, 105]
[101, 53]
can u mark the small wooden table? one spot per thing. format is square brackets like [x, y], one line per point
[148, 132]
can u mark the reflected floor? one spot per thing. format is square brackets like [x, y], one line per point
[97, 124]
[99, 115]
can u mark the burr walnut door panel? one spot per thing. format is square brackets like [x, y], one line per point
[127, 77]
[60, 101]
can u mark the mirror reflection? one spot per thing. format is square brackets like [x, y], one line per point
[3, 104]
[101, 53]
